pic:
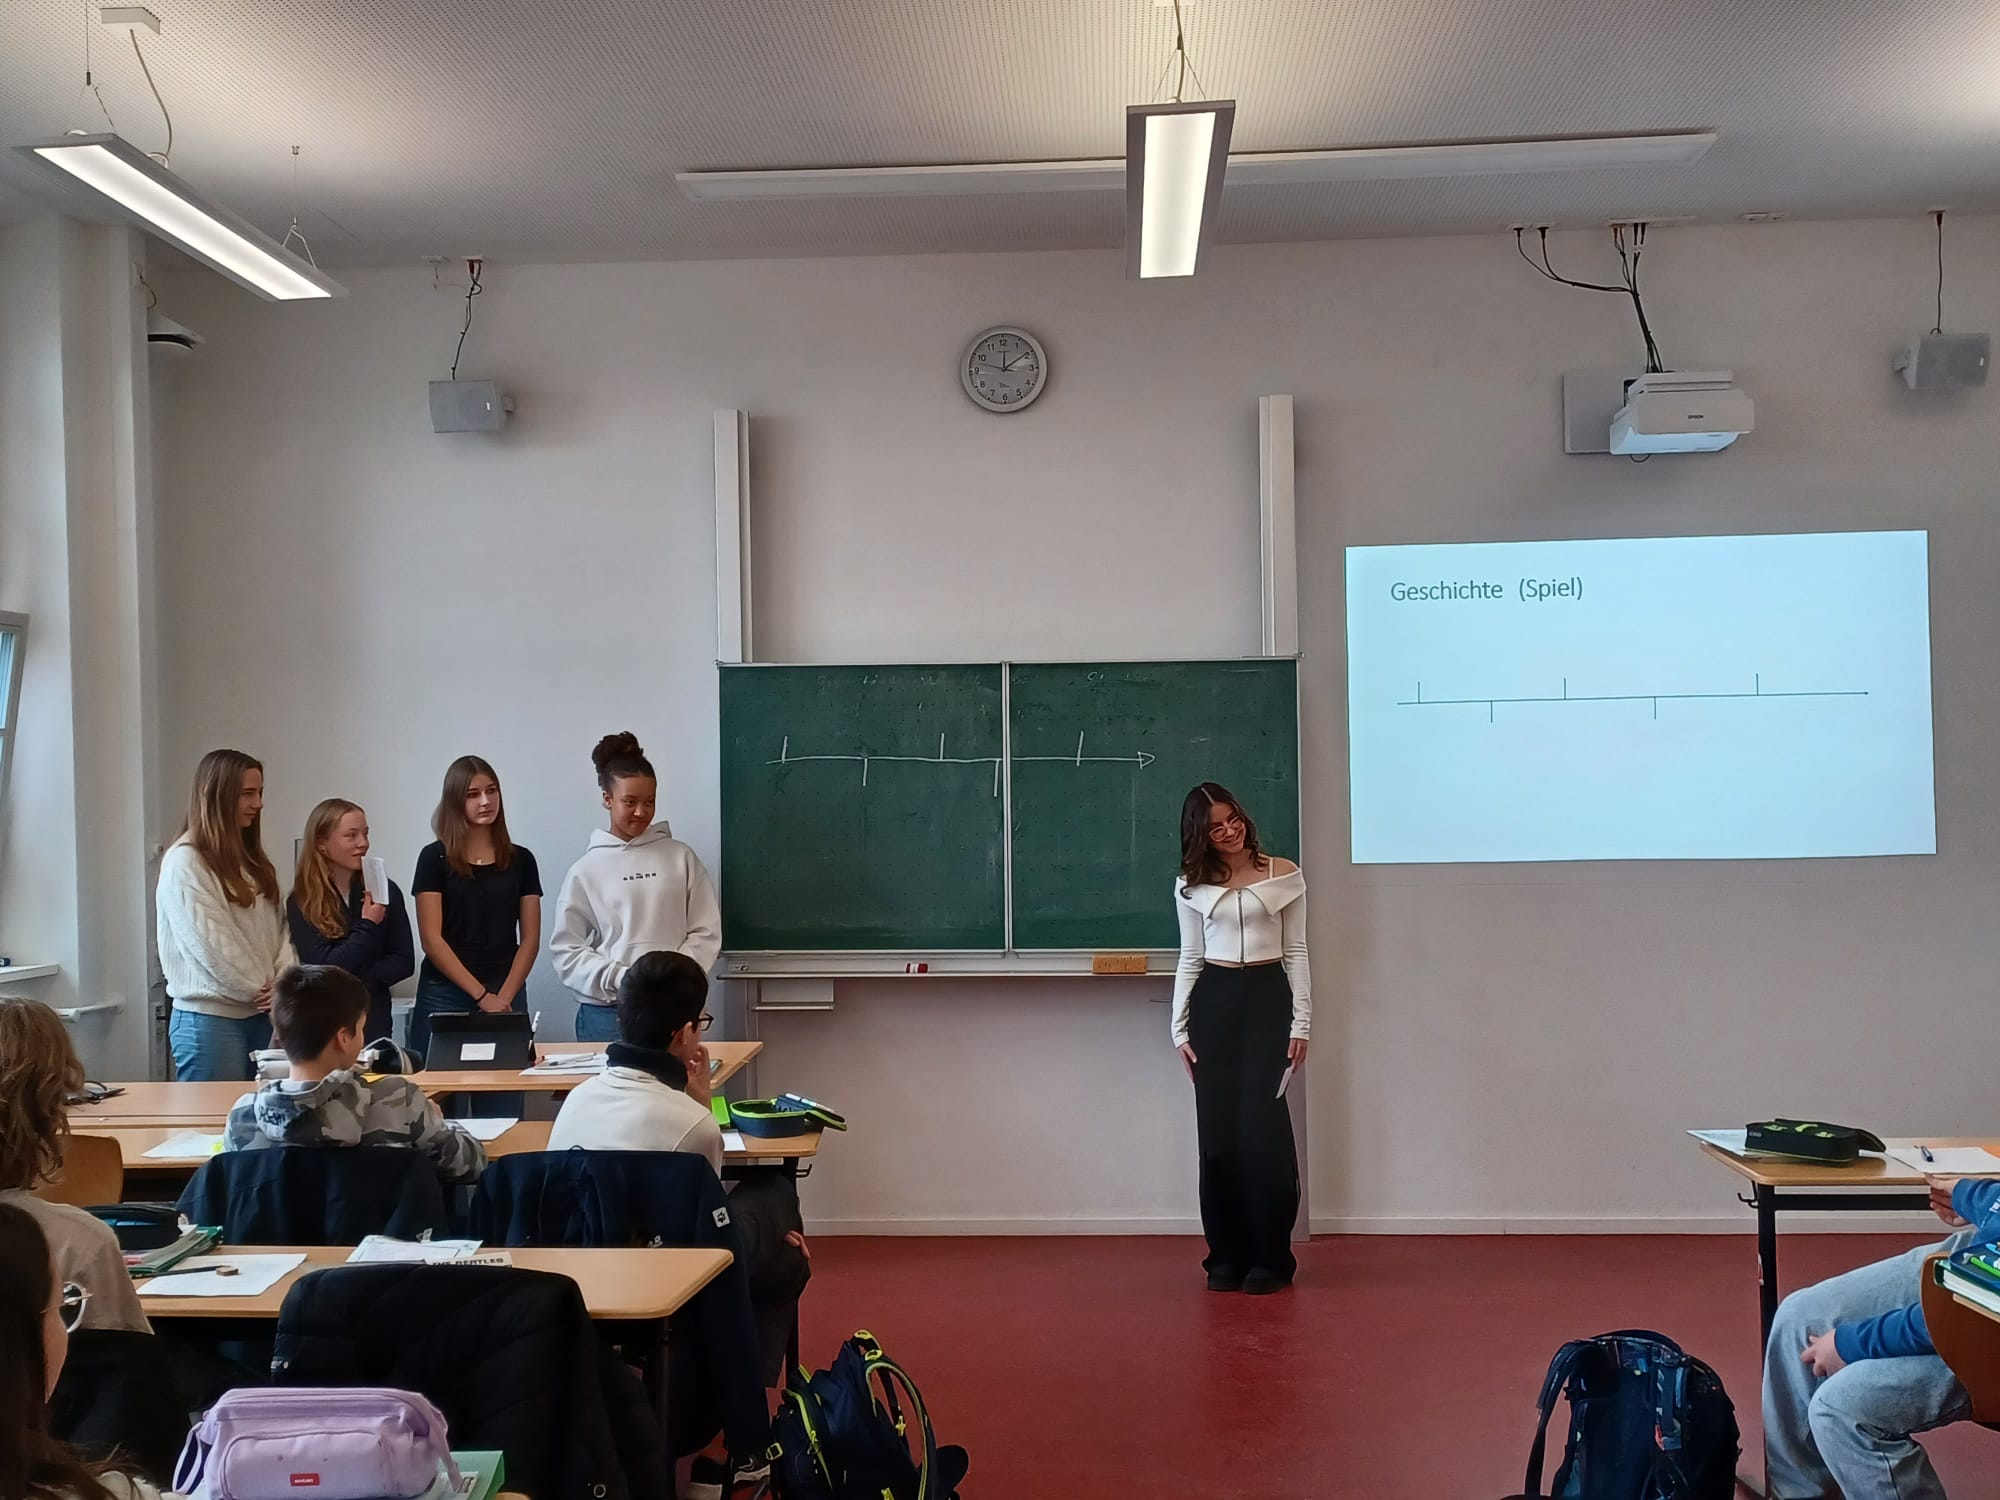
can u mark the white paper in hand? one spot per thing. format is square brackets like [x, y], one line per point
[375, 877]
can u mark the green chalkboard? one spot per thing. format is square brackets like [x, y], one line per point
[1102, 756]
[862, 808]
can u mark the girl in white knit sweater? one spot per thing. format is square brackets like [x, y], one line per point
[223, 939]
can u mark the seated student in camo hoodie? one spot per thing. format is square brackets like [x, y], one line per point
[320, 1014]
[1851, 1374]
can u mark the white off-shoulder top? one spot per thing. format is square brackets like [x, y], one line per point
[1249, 924]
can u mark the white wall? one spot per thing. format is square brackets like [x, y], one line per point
[38, 892]
[357, 600]
[75, 517]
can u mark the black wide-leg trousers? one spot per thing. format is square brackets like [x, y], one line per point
[1239, 1023]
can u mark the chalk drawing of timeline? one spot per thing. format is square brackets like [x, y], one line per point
[1140, 758]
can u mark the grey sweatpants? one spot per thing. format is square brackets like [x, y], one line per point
[1849, 1437]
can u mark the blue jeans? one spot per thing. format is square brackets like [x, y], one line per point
[208, 1049]
[1855, 1430]
[437, 995]
[596, 1023]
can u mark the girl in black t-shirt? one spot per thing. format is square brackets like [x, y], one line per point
[479, 904]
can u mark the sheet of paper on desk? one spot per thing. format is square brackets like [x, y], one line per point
[481, 1128]
[1949, 1161]
[188, 1146]
[732, 1140]
[255, 1274]
[574, 1062]
[380, 1248]
[1735, 1142]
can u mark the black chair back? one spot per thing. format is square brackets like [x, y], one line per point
[317, 1195]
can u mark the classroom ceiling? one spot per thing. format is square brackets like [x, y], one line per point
[552, 129]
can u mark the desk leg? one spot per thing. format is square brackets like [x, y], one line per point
[1766, 1204]
[662, 1364]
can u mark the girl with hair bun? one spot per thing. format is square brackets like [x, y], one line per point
[637, 889]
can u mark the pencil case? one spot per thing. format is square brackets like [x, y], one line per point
[1808, 1140]
[782, 1117]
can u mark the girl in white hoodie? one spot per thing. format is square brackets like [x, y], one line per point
[221, 933]
[637, 889]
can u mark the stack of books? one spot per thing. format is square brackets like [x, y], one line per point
[1973, 1274]
[197, 1240]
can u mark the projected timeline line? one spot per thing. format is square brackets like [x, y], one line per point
[1565, 696]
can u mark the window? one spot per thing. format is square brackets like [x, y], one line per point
[12, 629]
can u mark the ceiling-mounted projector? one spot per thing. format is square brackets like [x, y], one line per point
[1681, 411]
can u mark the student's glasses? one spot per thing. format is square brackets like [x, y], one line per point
[74, 1300]
[707, 1021]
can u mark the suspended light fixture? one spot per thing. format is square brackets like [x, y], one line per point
[1175, 155]
[1174, 159]
[149, 194]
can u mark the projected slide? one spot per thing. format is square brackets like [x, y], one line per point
[1735, 697]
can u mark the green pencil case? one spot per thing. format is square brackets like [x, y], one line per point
[1809, 1140]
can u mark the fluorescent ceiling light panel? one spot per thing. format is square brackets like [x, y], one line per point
[973, 179]
[1255, 169]
[1174, 159]
[147, 193]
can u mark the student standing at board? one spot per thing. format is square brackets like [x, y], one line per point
[336, 922]
[1242, 1012]
[479, 904]
[221, 936]
[636, 889]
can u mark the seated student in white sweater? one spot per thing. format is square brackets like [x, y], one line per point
[654, 1095]
[221, 933]
[637, 889]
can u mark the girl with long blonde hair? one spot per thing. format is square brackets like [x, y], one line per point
[479, 904]
[222, 937]
[334, 919]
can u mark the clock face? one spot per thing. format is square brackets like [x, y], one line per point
[1005, 369]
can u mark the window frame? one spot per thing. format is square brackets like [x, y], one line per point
[15, 627]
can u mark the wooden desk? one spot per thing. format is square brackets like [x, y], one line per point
[1870, 1185]
[1966, 1335]
[196, 1105]
[134, 1141]
[734, 1057]
[617, 1285]
[191, 1105]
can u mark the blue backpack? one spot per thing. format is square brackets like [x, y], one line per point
[835, 1439]
[1647, 1422]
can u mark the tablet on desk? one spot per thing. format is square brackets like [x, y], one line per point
[480, 1040]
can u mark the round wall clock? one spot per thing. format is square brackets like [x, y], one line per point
[1005, 369]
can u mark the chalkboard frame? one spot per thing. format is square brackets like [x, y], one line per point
[1007, 961]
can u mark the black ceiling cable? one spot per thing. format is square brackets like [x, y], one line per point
[473, 289]
[1938, 214]
[1627, 286]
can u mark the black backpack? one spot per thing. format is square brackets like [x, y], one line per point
[835, 1439]
[1647, 1422]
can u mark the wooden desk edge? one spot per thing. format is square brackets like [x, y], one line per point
[267, 1304]
[1892, 1174]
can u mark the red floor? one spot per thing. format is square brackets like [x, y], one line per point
[1397, 1369]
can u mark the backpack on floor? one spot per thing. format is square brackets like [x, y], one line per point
[1647, 1422]
[836, 1439]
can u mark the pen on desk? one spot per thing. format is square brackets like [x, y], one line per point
[1926, 1153]
[534, 1023]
